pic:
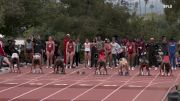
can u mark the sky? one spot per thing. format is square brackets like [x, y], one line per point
[158, 6]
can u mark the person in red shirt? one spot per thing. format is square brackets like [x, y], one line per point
[70, 51]
[130, 53]
[3, 57]
[101, 62]
[66, 40]
[165, 66]
[50, 48]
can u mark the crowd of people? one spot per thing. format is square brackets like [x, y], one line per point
[113, 51]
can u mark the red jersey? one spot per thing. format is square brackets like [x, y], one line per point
[66, 40]
[107, 47]
[50, 46]
[130, 48]
[2, 53]
[70, 47]
[166, 59]
[102, 57]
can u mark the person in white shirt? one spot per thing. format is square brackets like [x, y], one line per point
[114, 47]
[87, 52]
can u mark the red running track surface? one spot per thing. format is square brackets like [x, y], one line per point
[87, 87]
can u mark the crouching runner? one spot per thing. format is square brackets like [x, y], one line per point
[37, 57]
[101, 62]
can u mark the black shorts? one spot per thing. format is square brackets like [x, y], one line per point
[15, 60]
[102, 63]
[36, 61]
[87, 52]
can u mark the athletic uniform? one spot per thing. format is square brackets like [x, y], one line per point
[70, 47]
[2, 54]
[130, 52]
[15, 54]
[66, 40]
[130, 48]
[38, 48]
[87, 47]
[166, 59]
[102, 59]
[50, 47]
[172, 52]
[107, 48]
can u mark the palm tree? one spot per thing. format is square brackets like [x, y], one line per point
[146, 1]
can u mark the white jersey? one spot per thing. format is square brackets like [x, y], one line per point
[87, 47]
[114, 47]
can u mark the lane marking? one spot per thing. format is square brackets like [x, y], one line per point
[109, 85]
[84, 85]
[66, 87]
[174, 83]
[12, 78]
[119, 87]
[11, 83]
[60, 84]
[94, 87]
[25, 82]
[64, 76]
[134, 86]
[145, 87]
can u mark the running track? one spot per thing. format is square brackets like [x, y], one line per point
[87, 87]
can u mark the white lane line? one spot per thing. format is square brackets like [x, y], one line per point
[174, 83]
[64, 76]
[24, 83]
[119, 87]
[11, 83]
[14, 77]
[35, 83]
[165, 82]
[145, 87]
[134, 86]
[109, 85]
[84, 85]
[94, 87]
[66, 87]
[60, 84]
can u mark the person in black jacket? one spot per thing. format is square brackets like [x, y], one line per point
[152, 53]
